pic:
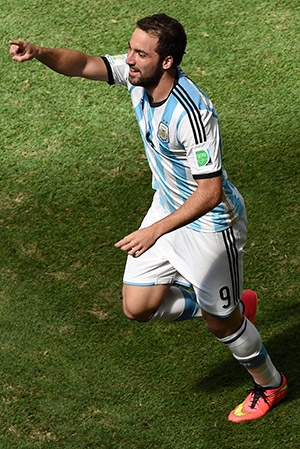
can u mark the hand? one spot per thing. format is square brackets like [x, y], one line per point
[22, 50]
[136, 243]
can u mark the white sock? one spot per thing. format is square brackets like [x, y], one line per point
[246, 346]
[178, 305]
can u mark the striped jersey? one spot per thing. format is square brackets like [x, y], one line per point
[183, 143]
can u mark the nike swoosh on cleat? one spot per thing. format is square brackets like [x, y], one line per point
[238, 411]
[279, 391]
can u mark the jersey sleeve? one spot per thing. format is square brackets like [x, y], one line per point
[117, 69]
[199, 133]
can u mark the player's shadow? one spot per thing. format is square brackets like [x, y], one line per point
[284, 352]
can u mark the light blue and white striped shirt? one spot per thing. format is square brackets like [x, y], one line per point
[183, 143]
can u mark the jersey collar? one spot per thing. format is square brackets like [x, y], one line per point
[160, 103]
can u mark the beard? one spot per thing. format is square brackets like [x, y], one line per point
[149, 82]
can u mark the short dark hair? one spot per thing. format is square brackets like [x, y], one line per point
[170, 33]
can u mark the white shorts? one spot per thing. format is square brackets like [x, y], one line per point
[212, 263]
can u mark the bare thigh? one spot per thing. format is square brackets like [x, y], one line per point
[139, 302]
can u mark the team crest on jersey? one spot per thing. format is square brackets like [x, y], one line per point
[163, 132]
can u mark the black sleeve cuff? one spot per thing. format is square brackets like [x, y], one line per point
[109, 71]
[208, 175]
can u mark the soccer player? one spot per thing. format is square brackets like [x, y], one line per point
[195, 230]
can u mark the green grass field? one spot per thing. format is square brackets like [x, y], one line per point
[74, 372]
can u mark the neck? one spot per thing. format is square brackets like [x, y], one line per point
[163, 88]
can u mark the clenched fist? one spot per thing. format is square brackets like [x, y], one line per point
[22, 50]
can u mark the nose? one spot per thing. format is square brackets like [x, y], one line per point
[130, 59]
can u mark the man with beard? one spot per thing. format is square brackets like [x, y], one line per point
[195, 230]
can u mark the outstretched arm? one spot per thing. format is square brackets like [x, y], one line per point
[61, 60]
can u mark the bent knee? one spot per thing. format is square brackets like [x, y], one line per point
[217, 328]
[140, 302]
[135, 312]
[222, 327]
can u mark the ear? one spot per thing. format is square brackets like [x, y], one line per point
[167, 62]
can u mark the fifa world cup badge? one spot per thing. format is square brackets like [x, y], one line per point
[163, 132]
